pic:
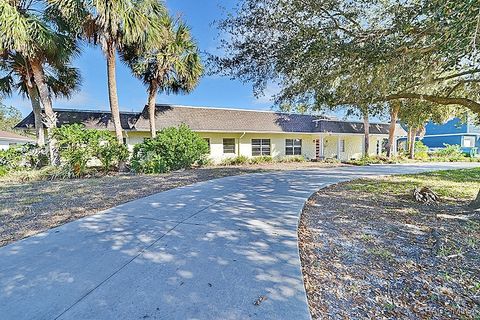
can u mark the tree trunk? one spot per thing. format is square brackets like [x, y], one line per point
[476, 203]
[366, 141]
[394, 110]
[112, 91]
[50, 116]
[37, 114]
[411, 144]
[152, 95]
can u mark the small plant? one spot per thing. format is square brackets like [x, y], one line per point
[261, 159]
[452, 152]
[235, 161]
[421, 150]
[172, 149]
[288, 159]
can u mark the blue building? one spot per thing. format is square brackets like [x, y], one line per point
[454, 132]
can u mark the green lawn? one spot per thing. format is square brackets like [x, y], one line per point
[460, 184]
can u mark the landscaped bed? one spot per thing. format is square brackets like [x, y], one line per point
[369, 251]
[30, 207]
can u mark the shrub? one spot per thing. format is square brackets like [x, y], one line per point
[293, 159]
[109, 151]
[261, 159]
[21, 157]
[450, 151]
[172, 149]
[75, 147]
[235, 161]
[421, 150]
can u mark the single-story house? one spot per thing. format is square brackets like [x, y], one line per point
[8, 139]
[454, 132]
[233, 132]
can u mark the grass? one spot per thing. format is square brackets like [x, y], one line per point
[451, 184]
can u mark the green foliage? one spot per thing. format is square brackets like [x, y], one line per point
[450, 151]
[235, 161]
[77, 146]
[109, 151]
[74, 143]
[23, 157]
[9, 116]
[172, 149]
[261, 159]
[292, 159]
[421, 150]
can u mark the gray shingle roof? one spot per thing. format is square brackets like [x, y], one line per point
[214, 119]
[91, 119]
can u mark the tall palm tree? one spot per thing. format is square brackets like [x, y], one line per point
[171, 66]
[62, 81]
[113, 24]
[26, 28]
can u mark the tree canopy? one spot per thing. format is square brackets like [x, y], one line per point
[337, 52]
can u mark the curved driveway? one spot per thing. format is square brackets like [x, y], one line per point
[221, 249]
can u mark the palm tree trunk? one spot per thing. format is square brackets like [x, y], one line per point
[152, 95]
[37, 113]
[394, 110]
[112, 91]
[366, 126]
[50, 116]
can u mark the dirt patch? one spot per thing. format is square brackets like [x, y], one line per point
[380, 255]
[29, 208]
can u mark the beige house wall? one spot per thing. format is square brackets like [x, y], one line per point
[353, 144]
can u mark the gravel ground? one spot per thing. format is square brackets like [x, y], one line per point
[28, 208]
[382, 256]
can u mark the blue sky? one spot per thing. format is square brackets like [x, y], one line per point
[212, 90]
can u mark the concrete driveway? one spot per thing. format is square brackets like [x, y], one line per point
[221, 249]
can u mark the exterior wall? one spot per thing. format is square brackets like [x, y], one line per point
[5, 144]
[453, 126]
[439, 141]
[243, 144]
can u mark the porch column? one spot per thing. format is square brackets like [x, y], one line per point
[338, 147]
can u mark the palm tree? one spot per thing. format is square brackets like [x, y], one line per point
[113, 24]
[171, 66]
[25, 28]
[62, 81]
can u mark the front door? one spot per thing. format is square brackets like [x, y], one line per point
[319, 149]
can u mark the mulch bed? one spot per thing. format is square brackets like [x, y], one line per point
[380, 256]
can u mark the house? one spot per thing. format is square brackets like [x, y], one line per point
[453, 132]
[233, 132]
[8, 139]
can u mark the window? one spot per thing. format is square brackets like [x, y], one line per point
[260, 147]
[293, 147]
[469, 142]
[228, 145]
[207, 140]
[342, 145]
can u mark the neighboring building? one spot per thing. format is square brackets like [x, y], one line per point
[8, 139]
[233, 132]
[454, 132]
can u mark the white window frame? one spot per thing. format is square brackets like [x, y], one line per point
[471, 140]
[261, 147]
[296, 148]
[234, 146]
